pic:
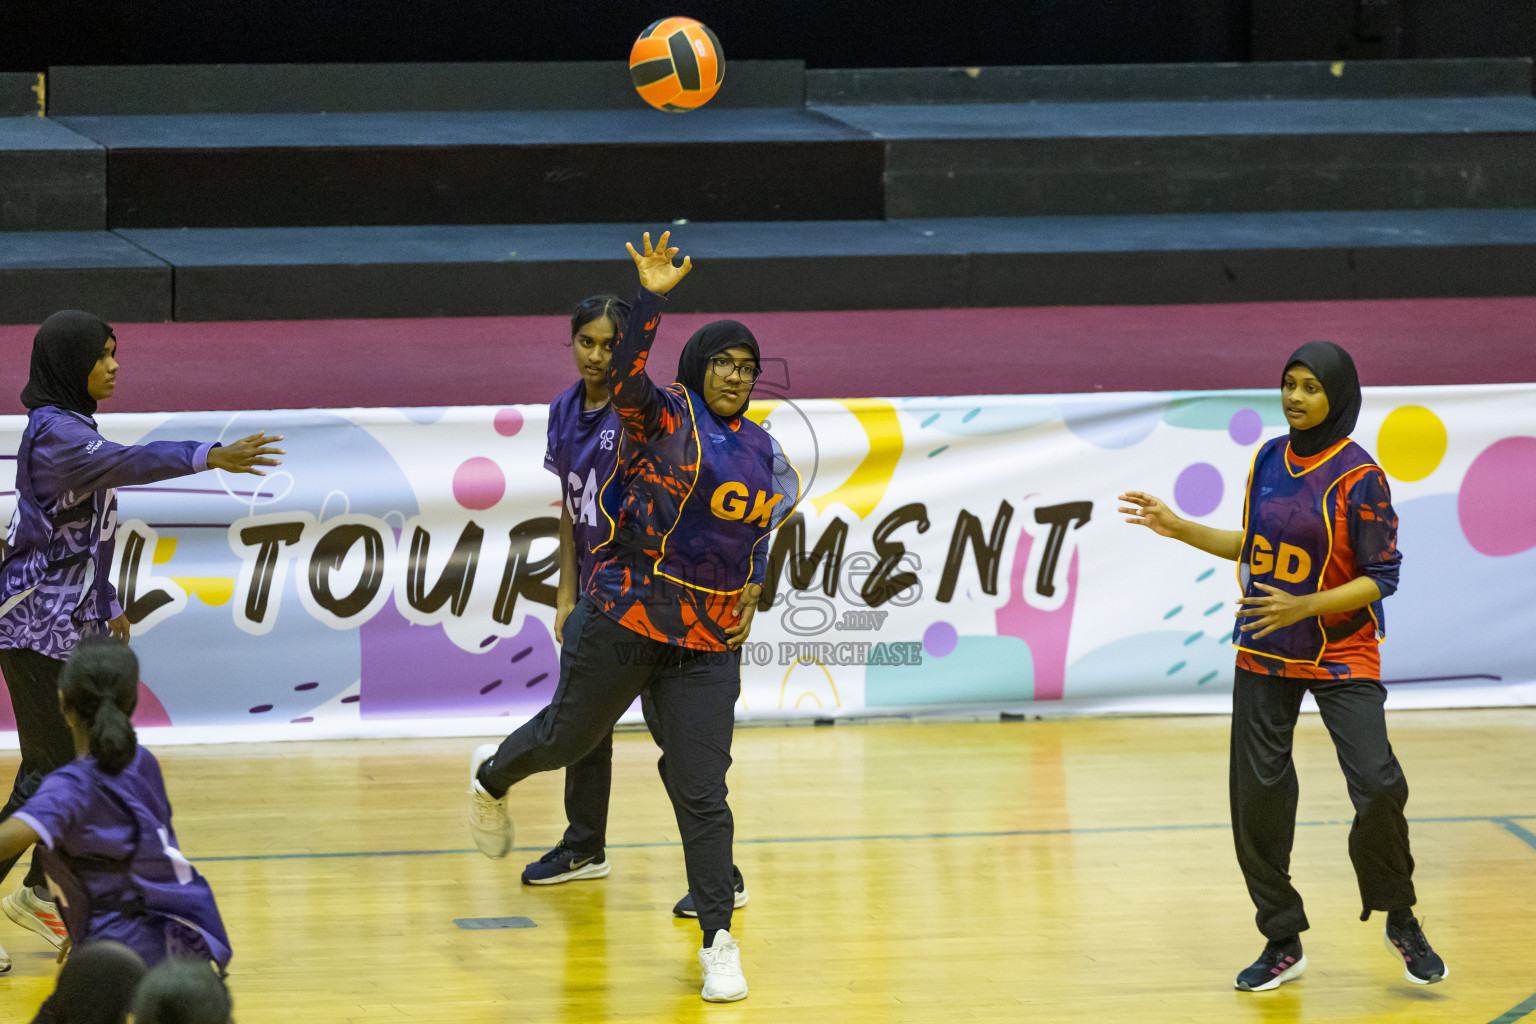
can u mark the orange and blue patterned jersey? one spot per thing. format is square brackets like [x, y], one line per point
[690, 505]
[1358, 529]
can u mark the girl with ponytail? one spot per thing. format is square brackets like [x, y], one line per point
[55, 584]
[102, 825]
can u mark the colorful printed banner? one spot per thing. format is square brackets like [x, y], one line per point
[397, 576]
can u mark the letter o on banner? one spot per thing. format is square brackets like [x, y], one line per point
[330, 551]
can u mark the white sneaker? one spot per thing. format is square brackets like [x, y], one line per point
[488, 821]
[36, 915]
[721, 962]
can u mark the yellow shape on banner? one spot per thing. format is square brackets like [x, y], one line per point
[863, 491]
[784, 690]
[1411, 442]
[165, 549]
[211, 590]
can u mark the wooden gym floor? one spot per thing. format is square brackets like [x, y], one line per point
[1076, 869]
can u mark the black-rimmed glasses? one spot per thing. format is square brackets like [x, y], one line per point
[724, 366]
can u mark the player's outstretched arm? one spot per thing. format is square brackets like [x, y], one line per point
[15, 838]
[1156, 516]
[641, 407]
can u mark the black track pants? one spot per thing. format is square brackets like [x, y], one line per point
[1264, 790]
[690, 699]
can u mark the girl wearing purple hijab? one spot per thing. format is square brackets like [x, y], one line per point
[54, 585]
[102, 825]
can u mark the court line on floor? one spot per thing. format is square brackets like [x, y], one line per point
[1515, 1013]
[1525, 835]
[1505, 821]
[1509, 822]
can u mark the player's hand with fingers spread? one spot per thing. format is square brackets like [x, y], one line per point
[1276, 610]
[657, 274]
[244, 455]
[745, 608]
[1151, 513]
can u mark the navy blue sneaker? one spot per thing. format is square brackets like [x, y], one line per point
[1279, 963]
[1421, 964]
[562, 864]
[685, 906]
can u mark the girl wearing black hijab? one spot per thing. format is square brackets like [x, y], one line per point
[54, 585]
[1316, 556]
[697, 491]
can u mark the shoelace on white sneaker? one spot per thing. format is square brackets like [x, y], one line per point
[487, 811]
[724, 959]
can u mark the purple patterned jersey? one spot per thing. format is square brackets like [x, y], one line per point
[582, 453]
[108, 848]
[53, 584]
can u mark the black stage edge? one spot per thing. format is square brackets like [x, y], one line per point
[362, 88]
[51, 179]
[42, 272]
[20, 94]
[511, 270]
[1204, 160]
[318, 273]
[1256, 257]
[1012, 178]
[1383, 79]
[481, 184]
[497, 167]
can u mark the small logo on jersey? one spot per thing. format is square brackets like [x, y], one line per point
[605, 440]
[90, 449]
[717, 438]
[1264, 490]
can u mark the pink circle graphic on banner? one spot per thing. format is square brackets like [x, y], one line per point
[1497, 496]
[1198, 489]
[940, 639]
[1245, 426]
[508, 422]
[478, 484]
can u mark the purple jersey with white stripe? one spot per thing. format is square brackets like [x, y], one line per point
[582, 452]
[54, 585]
[110, 854]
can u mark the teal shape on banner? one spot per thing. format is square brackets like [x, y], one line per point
[1151, 664]
[1213, 410]
[980, 669]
